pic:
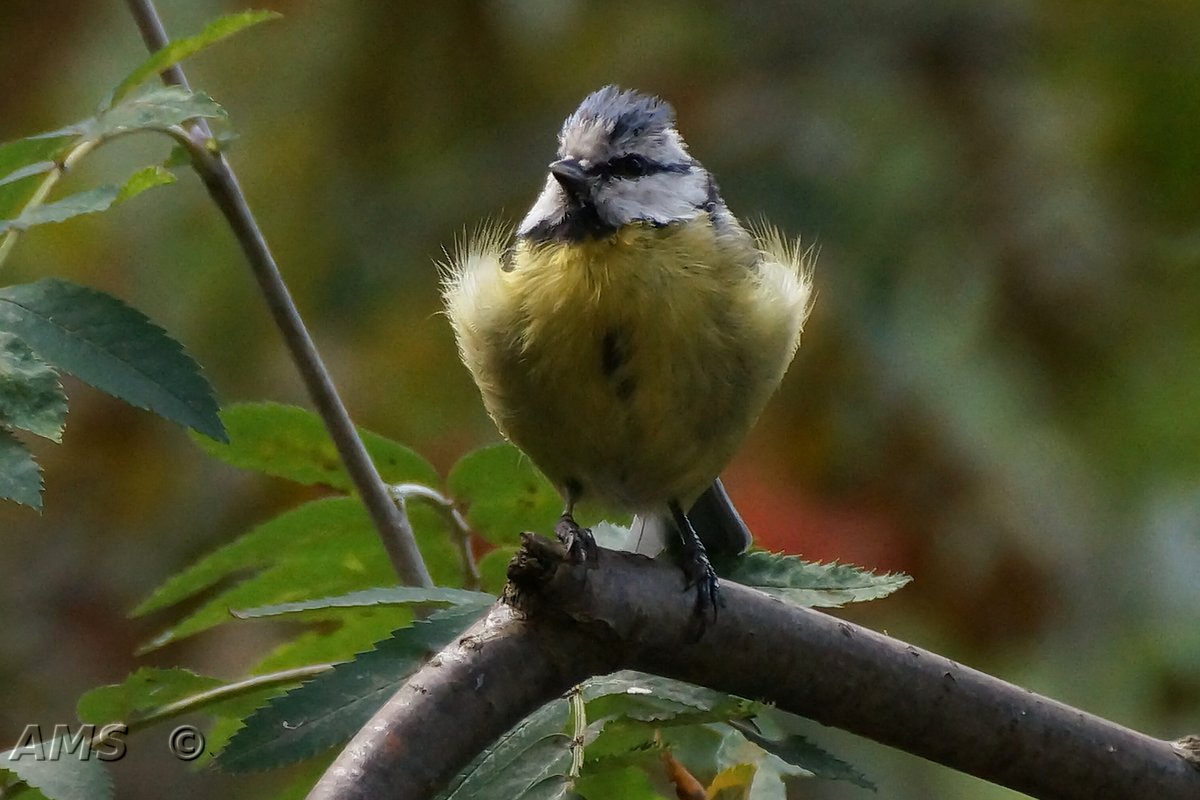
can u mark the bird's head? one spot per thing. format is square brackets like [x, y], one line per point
[620, 161]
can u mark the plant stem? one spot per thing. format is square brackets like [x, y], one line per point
[196, 702]
[579, 730]
[390, 520]
[459, 528]
[218, 694]
[9, 238]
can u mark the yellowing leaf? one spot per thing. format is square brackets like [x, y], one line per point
[732, 782]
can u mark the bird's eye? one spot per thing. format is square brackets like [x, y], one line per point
[629, 166]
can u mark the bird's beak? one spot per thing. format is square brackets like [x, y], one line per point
[570, 175]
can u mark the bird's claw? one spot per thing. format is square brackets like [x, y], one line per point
[698, 573]
[580, 544]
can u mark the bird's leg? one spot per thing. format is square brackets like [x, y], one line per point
[581, 547]
[697, 568]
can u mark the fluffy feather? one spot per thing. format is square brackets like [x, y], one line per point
[631, 332]
[707, 340]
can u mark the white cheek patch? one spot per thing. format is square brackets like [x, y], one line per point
[662, 198]
[549, 207]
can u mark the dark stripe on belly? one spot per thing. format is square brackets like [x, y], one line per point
[615, 353]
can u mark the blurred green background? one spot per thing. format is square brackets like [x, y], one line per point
[998, 391]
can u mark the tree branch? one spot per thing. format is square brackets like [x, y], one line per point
[560, 623]
[218, 177]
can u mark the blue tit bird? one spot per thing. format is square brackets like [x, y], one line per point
[629, 334]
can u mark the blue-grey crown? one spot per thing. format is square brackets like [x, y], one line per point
[628, 112]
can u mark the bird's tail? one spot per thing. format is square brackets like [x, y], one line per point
[718, 523]
[713, 516]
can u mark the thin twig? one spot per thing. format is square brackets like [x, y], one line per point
[9, 238]
[459, 528]
[390, 521]
[228, 691]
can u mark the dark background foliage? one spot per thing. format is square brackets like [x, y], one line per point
[998, 392]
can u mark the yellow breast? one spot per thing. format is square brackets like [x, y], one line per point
[631, 366]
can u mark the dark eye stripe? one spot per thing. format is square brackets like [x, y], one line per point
[633, 165]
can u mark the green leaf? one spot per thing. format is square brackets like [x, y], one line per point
[800, 752]
[156, 109]
[697, 745]
[145, 178]
[640, 714]
[543, 761]
[20, 153]
[437, 545]
[178, 50]
[56, 768]
[20, 478]
[624, 743]
[493, 568]
[392, 595]
[24, 158]
[145, 689]
[325, 547]
[537, 750]
[355, 630]
[340, 635]
[554, 787]
[31, 398]
[23, 791]
[91, 201]
[641, 685]
[27, 171]
[329, 709]
[525, 755]
[504, 494]
[625, 782]
[111, 346]
[291, 442]
[806, 583]
[656, 700]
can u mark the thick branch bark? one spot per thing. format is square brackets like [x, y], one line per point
[562, 623]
